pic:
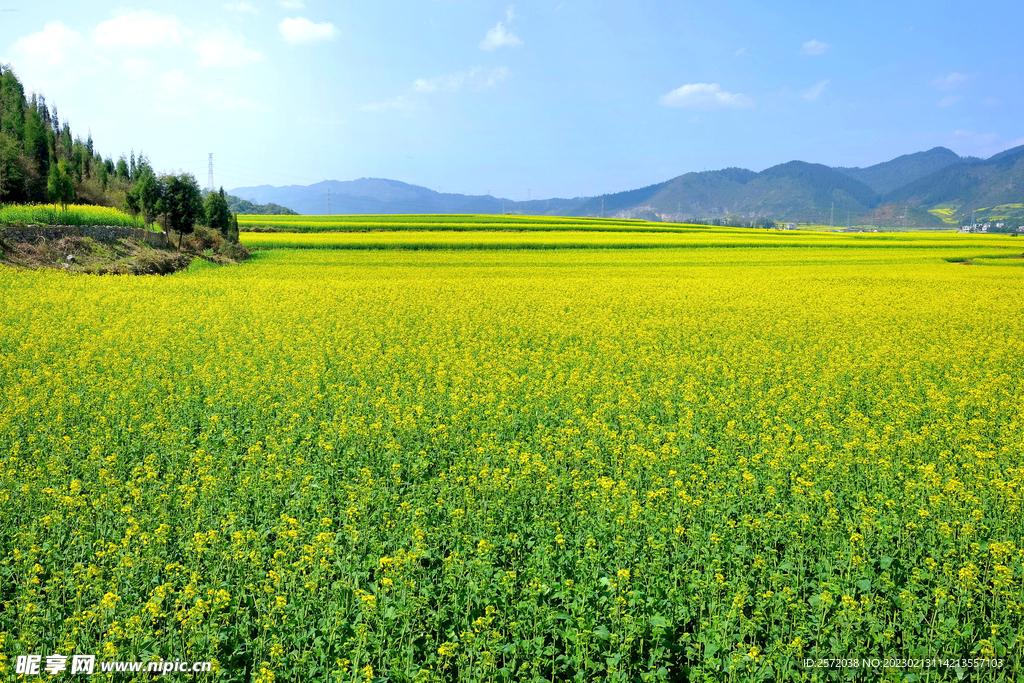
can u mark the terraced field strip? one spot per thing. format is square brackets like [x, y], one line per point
[726, 237]
[451, 222]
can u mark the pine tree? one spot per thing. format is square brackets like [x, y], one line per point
[60, 185]
[12, 105]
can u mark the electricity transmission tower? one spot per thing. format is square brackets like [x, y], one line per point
[328, 201]
[832, 218]
[602, 207]
[209, 180]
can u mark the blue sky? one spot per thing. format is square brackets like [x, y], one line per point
[555, 98]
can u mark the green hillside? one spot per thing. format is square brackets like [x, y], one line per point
[888, 176]
[976, 185]
[247, 208]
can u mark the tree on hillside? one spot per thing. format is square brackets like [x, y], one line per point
[218, 216]
[60, 185]
[182, 203]
[12, 104]
[101, 172]
[37, 152]
[11, 174]
[131, 203]
[149, 189]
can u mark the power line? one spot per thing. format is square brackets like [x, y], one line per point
[209, 182]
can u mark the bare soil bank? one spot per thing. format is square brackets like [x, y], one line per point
[51, 247]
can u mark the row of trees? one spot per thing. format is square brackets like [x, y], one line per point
[40, 161]
[764, 223]
[179, 201]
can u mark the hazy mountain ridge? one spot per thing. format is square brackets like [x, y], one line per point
[908, 185]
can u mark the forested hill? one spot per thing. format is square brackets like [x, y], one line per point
[974, 184]
[42, 161]
[247, 208]
[887, 176]
[35, 144]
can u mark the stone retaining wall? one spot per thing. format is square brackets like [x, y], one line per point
[104, 233]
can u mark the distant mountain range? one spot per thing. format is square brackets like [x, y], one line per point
[930, 188]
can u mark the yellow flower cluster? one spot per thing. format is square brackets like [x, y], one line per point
[517, 465]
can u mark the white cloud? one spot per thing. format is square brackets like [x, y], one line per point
[510, 13]
[477, 78]
[143, 29]
[499, 37]
[815, 92]
[135, 67]
[175, 84]
[224, 49]
[173, 110]
[292, 4]
[704, 97]
[302, 30]
[950, 100]
[814, 47]
[177, 94]
[225, 101]
[991, 102]
[399, 102]
[740, 52]
[241, 8]
[950, 82]
[50, 46]
[322, 121]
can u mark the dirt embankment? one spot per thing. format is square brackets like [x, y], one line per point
[25, 248]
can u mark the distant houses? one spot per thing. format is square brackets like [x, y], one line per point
[984, 228]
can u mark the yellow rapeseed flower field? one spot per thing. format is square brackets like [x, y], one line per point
[75, 214]
[704, 464]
